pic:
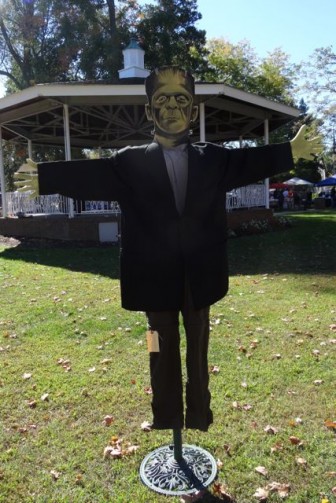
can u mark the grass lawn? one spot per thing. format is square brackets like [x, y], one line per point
[69, 357]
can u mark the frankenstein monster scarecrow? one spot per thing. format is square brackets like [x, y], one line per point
[173, 254]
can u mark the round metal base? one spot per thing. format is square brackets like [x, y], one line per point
[162, 473]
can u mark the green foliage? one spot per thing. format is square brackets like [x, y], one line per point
[238, 65]
[168, 34]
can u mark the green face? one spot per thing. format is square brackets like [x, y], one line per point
[171, 107]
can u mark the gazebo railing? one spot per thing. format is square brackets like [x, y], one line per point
[20, 203]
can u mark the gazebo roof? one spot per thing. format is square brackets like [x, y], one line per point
[113, 115]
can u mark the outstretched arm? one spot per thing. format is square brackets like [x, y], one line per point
[94, 179]
[303, 148]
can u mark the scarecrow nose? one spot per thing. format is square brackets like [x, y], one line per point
[172, 103]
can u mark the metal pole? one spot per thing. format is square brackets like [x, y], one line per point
[2, 180]
[67, 145]
[202, 121]
[177, 445]
[266, 141]
[30, 149]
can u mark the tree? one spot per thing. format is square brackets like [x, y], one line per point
[60, 40]
[238, 65]
[32, 46]
[168, 35]
[235, 65]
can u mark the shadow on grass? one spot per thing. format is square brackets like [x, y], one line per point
[100, 260]
[307, 247]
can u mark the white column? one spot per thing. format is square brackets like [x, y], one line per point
[67, 146]
[2, 180]
[202, 121]
[266, 141]
[30, 149]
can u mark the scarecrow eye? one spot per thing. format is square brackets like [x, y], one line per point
[182, 100]
[160, 100]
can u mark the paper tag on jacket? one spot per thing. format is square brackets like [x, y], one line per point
[152, 341]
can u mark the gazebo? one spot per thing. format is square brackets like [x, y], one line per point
[111, 115]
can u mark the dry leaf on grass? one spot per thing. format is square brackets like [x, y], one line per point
[55, 475]
[261, 494]
[271, 430]
[281, 489]
[118, 449]
[295, 441]
[222, 491]
[262, 470]
[146, 426]
[330, 424]
[108, 420]
[301, 462]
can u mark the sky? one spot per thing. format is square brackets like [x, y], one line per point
[298, 27]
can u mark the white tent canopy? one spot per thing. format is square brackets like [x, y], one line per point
[297, 181]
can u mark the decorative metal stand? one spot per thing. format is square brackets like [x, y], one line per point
[178, 469]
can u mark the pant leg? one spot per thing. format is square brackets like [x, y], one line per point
[196, 323]
[165, 370]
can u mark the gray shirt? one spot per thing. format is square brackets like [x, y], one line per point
[177, 167]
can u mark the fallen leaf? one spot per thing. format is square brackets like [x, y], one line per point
[26, 375]
[108, 420]
[330, 424]
[333, 490]
[277, 447]
[262, 470]
[112, 452]
[222, 491]
[45, 397]
[214, 369]
[270, 430]
[227, 449]
[295, 441]
[148, 390]
[301, 462]
[146, 426]
[261, 494]
[281, 489]
[219, 464]
[32, 404]
[55, 475]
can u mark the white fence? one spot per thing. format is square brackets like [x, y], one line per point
[20, 203]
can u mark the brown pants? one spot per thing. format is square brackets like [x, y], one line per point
[165, 368]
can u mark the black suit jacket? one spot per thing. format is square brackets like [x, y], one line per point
[160, 248]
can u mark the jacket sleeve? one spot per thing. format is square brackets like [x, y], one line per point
[249, 165]
[94, 179]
